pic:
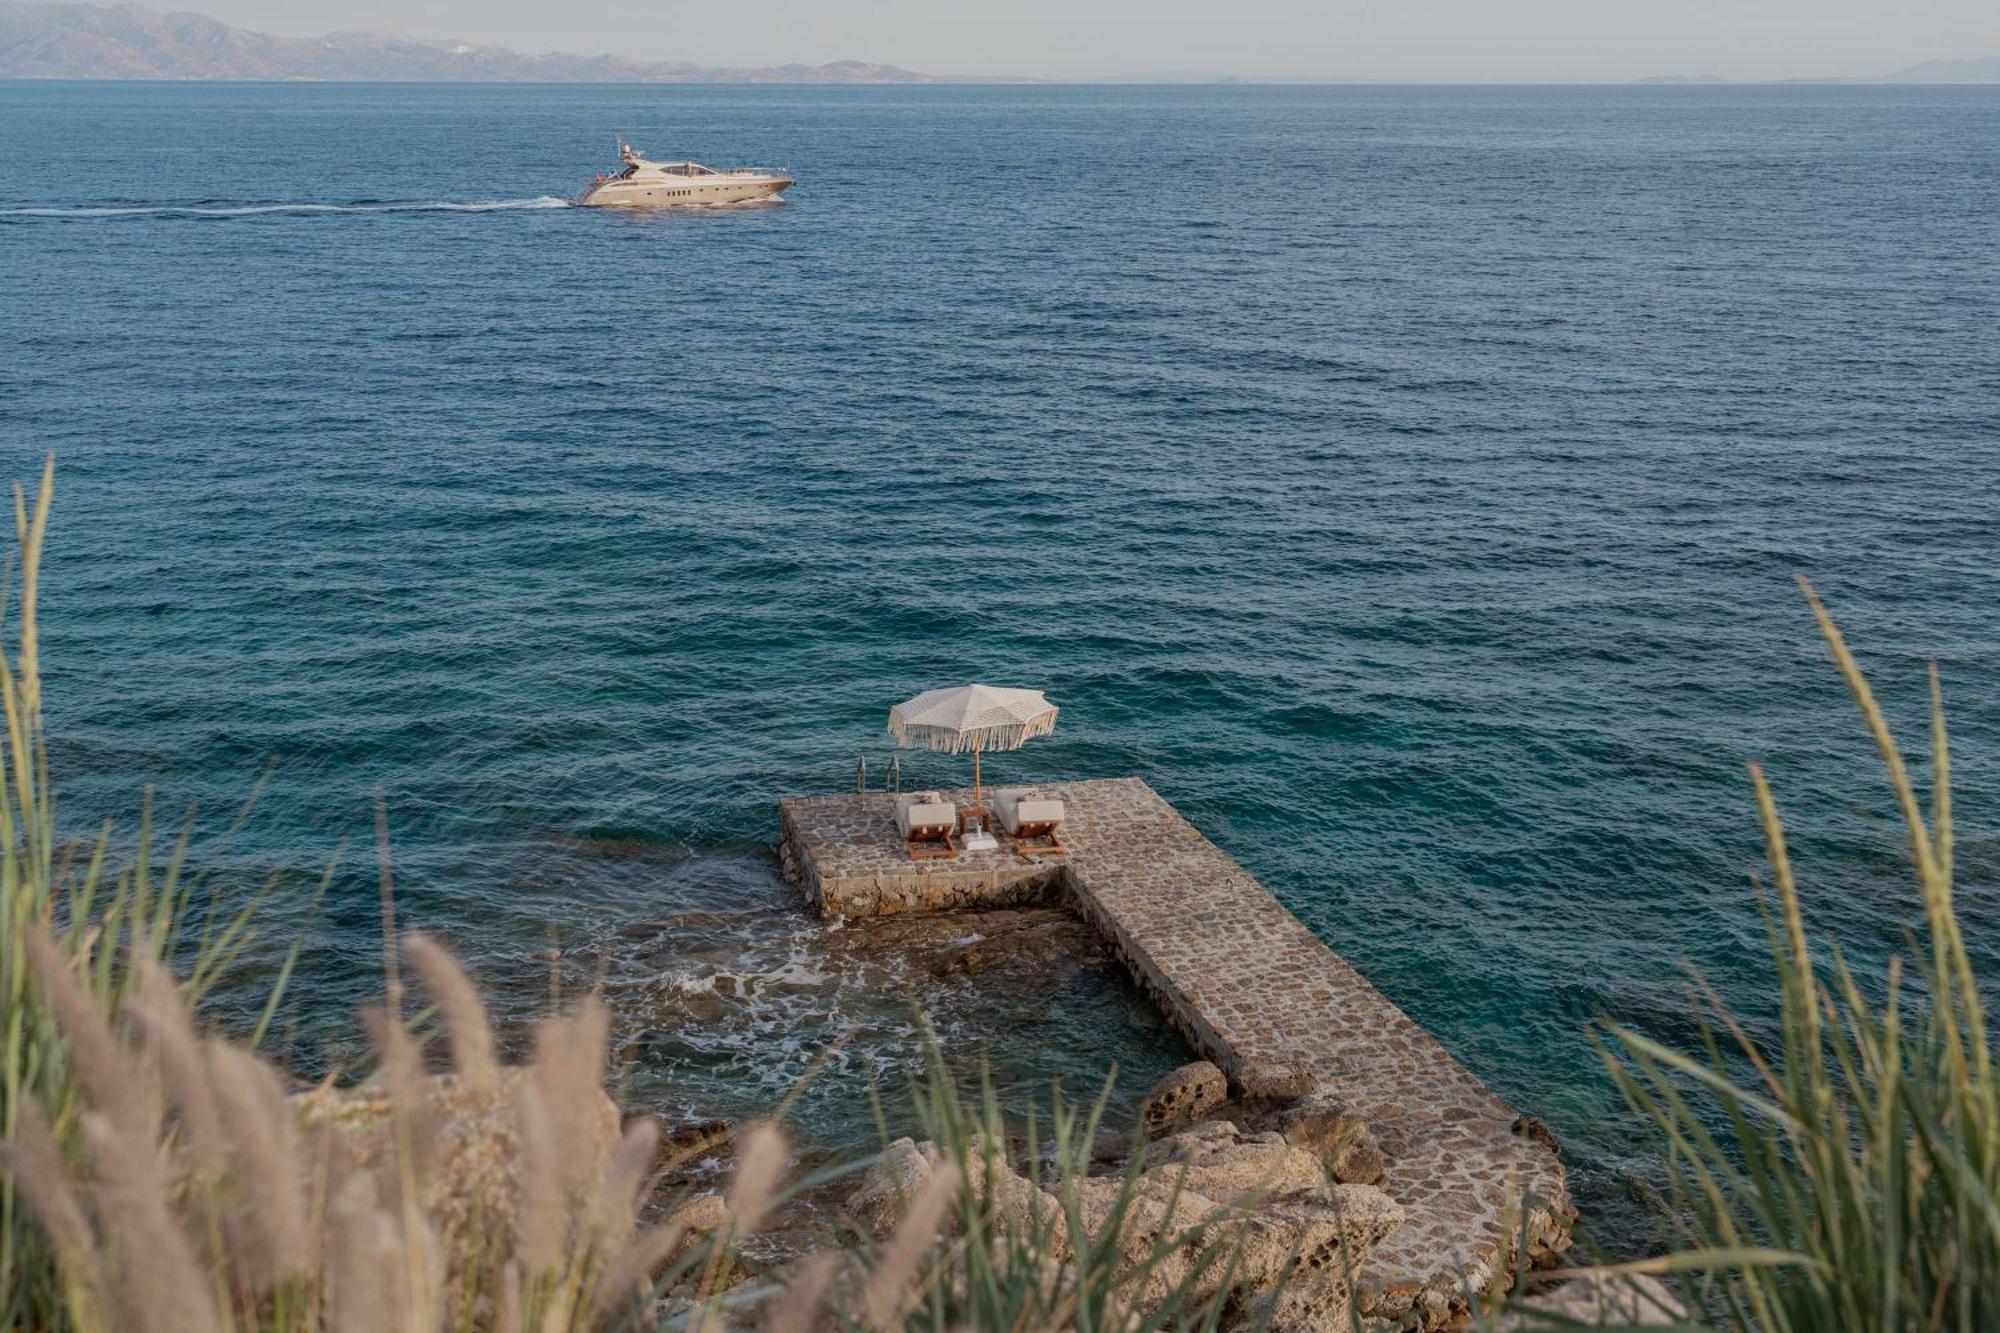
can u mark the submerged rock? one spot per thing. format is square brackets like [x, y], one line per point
[1030, 941]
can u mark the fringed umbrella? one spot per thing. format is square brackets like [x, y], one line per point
[972, 717]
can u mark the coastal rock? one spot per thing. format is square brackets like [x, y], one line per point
[1316, 1245]
[1160, 1225]
[1362, 1218]
[1330, 1128]
[701, 1215]
[1273, 1080]
[889, 1184]
[1531, 1128]
[686, 1143]
[465, 1140]
[1017, 1205]
[1182, 1097]
[1634, 1300]
[1241, 1173]
[1316, 1305]
[1113, 1146]
[1203, 1136]
[699, 1218]
[1190, 1237]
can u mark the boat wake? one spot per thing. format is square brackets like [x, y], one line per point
[85, 212]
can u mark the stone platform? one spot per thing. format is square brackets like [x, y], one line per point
[1252, 990]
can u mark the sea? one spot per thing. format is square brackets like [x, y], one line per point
[1408, 482]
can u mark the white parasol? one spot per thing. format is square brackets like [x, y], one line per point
[972, 717]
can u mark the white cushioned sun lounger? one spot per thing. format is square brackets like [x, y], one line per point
[924, 821]
[1032, 822]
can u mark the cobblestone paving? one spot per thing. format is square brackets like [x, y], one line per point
[1253, 990]
[843, 854]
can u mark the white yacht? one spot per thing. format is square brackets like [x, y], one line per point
[648, 184]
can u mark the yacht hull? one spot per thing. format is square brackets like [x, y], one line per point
[649, 194]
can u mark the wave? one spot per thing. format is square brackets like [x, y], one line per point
[254, 210]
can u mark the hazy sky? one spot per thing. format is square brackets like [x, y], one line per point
[1362, 39]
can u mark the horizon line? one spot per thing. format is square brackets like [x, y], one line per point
[1101, 81]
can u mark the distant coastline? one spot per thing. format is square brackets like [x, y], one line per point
[1983, 70]
[127, 42]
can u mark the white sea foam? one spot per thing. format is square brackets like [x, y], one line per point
[255, 210]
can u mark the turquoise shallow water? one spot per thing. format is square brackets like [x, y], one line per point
[1406, 482]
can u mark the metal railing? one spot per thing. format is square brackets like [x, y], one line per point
[892, 776]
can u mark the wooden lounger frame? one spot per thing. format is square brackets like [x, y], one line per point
[931, 842]
[1036, 830]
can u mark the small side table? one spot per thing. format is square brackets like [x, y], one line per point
[979, 838]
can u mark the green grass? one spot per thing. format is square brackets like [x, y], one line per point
[1857, 1184]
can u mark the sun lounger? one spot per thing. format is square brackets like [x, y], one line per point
[925, 821]
[1032, 823]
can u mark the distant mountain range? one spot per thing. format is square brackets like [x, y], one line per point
[127, 41]
[69, 41]
[1983, 70]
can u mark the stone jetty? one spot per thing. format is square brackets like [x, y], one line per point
[1253, 991]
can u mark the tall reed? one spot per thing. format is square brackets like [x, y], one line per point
[107, 913]
[1857, 1184]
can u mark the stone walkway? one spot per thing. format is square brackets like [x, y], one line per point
[1253, 990]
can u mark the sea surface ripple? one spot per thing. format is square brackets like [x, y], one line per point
[1407, 482]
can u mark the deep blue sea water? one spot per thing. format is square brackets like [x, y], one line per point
[1407, 482]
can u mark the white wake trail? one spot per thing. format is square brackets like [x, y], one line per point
[82, 213]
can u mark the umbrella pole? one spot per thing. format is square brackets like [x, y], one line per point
[975, 779]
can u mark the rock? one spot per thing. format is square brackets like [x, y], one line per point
[1204, 1136]
[1178, 1223]
[701, 1215]
[1193, 1141]
[889, 1184]
[1532, 1129]
[1360, 1163]
[1362, 1217]
[1316, 1245]
[1243, 1174]
[1109, 1146]
[465, 1142]
[1634, 1300]
[1338, 1135]
[1023, 939]
[1317, 1305]
[684, 1143]
[1322, 1235]
[1017, 1205]
[1182, 1097]
[1272, 1080]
